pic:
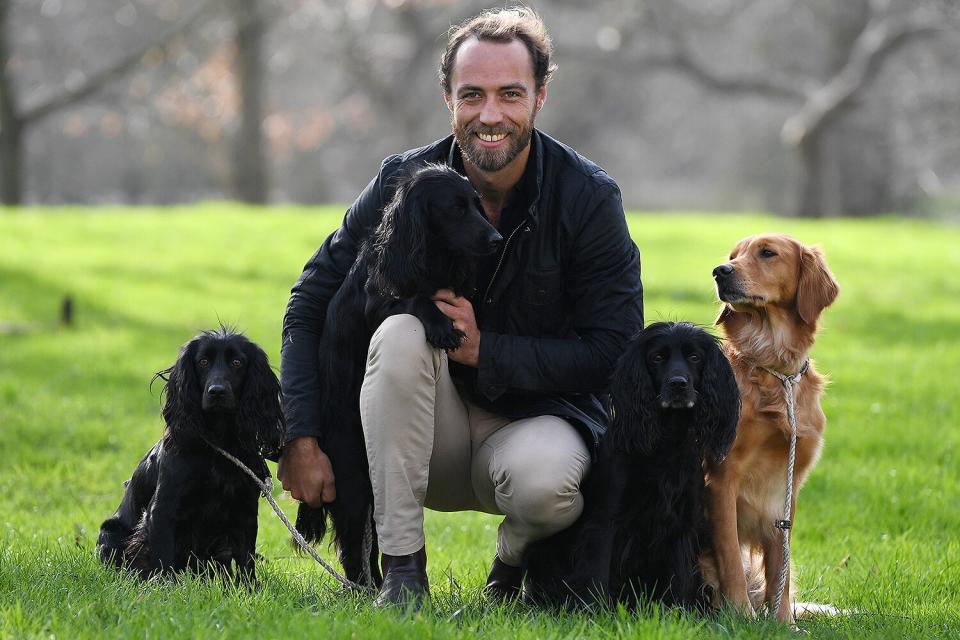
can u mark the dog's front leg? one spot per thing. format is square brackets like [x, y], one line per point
[439, 329]
[722, 506]
[161, 516]
[245, 550]
[773, 565]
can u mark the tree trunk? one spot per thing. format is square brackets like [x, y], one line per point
[11, 159]
[810, 200]
[11, 129]
[249, 168]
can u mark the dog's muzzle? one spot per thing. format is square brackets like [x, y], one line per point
[218, 395]
[728, 288]
[677, 393]
[490, 245]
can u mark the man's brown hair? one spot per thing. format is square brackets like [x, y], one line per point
[503, 25]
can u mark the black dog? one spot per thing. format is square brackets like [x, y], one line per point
[186, 506]
[675, 410]
[430, 237]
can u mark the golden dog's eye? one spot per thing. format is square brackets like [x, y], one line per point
[236, 363]
[767, 253]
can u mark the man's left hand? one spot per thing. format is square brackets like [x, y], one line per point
[460, 311]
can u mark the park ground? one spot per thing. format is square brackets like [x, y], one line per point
[876, 528]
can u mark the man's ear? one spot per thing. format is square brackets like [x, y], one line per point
[448, 99]
[541, 97]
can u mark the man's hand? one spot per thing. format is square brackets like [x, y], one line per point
[305, 471]
[460, 311]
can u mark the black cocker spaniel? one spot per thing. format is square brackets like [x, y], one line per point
[186, 507]
[431, 235]
[675, 408]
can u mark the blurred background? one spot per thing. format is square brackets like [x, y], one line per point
[814, 108]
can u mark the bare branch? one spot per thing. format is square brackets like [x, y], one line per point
[880, 38]
[769, 86]
[680, 57]
[95, 82]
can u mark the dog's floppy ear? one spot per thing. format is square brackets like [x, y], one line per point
[399, 263]
[817, 288]
[636, 425]
[182, 409]
[726, 312]
[718, 407]
[260, 415]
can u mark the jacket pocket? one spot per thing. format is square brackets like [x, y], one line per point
[542, 288]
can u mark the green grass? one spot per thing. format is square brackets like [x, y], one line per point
[876, 526]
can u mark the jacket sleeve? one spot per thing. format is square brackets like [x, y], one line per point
[311, 294]
[606, 302]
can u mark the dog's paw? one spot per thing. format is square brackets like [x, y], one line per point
[446, 338]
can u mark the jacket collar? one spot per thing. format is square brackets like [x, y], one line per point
[536, 148]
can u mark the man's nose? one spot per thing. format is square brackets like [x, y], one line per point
[491, 114]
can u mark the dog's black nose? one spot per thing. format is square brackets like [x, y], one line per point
[723, 271]
[217, 389]
[677, 383]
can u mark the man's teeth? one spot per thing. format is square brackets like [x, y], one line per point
[487, 137]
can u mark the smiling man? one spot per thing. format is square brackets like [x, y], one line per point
[507, 423]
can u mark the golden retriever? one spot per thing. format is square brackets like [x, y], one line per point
[773, 289]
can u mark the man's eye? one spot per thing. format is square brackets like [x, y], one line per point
[767, 253]
[512, 94]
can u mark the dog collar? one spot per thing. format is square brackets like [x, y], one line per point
[792, 379]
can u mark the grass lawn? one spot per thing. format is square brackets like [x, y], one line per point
[877, 524]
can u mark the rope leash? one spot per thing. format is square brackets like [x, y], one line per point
[266, 488]
[789, 382]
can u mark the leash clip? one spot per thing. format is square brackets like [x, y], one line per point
[783, 524]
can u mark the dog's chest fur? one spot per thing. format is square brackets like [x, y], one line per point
[761, 451]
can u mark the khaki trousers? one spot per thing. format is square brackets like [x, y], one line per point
[428, 447]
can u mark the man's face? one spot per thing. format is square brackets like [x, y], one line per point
[493, 101]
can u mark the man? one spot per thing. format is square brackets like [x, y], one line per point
[506, 423]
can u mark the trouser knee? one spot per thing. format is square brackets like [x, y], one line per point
[399, 353]
[546, 502]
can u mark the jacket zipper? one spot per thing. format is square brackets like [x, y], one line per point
[503, 255]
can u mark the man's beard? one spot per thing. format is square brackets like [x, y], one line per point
[492, 159]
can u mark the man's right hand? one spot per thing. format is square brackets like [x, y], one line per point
[305, 471]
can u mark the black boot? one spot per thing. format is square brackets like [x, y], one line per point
[404, 579]
[503, 583]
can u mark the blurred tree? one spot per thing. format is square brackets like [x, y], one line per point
[15, 119]
[683, 100]
[10, 126]
[862, 34]
[858, 37]
[249, 163]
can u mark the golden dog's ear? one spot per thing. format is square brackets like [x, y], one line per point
[725, 313]
[817, 288]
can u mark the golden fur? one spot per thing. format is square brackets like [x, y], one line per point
[774, 289]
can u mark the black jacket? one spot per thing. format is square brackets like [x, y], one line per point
[554, 318]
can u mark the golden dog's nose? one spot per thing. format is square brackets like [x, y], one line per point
[723, 271]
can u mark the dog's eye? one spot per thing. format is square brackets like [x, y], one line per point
[767, 253]
[236, 363]
[203, 363]
[657, 358]
[693, 357]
